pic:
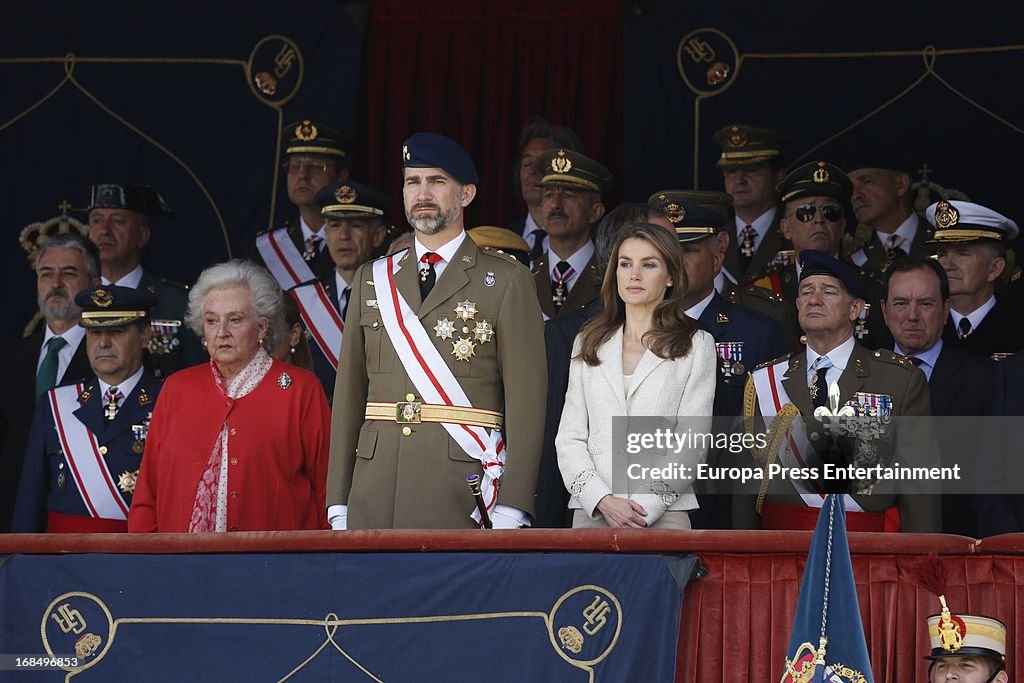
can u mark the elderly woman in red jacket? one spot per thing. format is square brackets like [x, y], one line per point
[241, 443]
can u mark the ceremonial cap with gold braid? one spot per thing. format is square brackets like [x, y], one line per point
[958, 222]
[109, 306]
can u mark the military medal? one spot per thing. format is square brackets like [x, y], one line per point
[463, 349]
[126, 482]
[730, 353]
[138, 447]
[165, 336]
[444, 329]
[424, 272]
[558, 296]
[466, 310]
[110, 410]
[860, 328]
[483, 332]
[747, 245]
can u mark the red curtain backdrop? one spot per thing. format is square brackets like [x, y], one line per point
[476, 71]
[736, 620]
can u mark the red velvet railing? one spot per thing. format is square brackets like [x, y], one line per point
[736, 620]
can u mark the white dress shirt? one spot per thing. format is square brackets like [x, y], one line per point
[840, 357]
[578, 261]
[73, 337]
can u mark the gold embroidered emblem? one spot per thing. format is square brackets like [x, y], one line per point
[571, 638]
[444, 329]
[60, 480]
[306, 131]
[561, 163]
[950, 635]
[466, 310]
[102, 298]
[405, 153]
[463, 349]
[721, 318]
[737, 138]
[946, 216]
[87, 645]
[284, 380]
[821, 175]
[266, 83]
[126, 482]
[675, 213]
[144, 399]
[85, 395]
[483, 332]
[346, 194]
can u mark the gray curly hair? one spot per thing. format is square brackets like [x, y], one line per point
[266, 296]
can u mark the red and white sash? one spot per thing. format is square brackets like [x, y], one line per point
[768, 383]
[434, 380]
[283, 259]
[95, 483]
[323, 322]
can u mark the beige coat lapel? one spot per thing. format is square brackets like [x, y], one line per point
[407, 279]
[854, 375]
[453, 278]
[649, 362]
[610, 355]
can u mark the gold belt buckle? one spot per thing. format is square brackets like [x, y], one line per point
[408, 412]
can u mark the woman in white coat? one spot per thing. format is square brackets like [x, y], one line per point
[641, 356]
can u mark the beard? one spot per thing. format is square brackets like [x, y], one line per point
[57, 305]
[433, 225]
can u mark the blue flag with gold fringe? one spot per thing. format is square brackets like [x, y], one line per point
[827, 643]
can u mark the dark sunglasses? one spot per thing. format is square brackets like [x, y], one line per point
[805, 212]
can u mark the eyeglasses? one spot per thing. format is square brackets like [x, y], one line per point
[297, 167]
[830, 212]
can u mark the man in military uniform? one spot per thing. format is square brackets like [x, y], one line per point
[835, 371]
[966, 648]
[355, 229]
[566, 276]
[752, 166]
[815, 198]
[53, 354]
[971, 246]
[87, 439]
[119, 218]
[882, 200]
[441, 354]
[743, 338]
[537, 137]
[915, 305]
[315, 156]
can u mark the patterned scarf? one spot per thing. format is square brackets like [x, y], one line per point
[210, 510]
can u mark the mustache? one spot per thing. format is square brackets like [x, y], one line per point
[426, 206]
[57, 291]
[557, 213]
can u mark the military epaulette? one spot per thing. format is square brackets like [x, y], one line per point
[500, 255]
[172, 283]
[500, 251]
[1016, 275]
[773, 361]
[30, 328]
[763, 293]
[894, 358]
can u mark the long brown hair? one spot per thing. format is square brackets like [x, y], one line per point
[671, 335]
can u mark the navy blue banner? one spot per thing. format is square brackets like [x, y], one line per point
[189, 97]
[373, 617]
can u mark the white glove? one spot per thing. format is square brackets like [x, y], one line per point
[507, 517]
[337, 515]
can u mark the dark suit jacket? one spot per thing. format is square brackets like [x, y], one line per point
[322, 263]
[763, 341]
[1003, 512]
[17, 406]
[962, 384]
[586, 288]
[771, 243]
[42, 487]
[552, 501]
[172, 348]
[998, 332]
